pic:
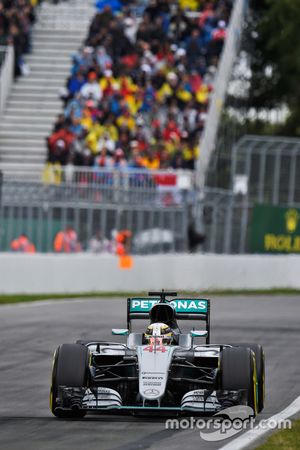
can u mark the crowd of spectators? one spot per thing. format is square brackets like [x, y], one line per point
[16, 20]
[67, 241]
[120, 243]
[139, 89]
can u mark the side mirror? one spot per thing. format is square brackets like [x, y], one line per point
[120, 331]
[198, 333]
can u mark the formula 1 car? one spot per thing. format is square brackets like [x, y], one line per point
[159, 374]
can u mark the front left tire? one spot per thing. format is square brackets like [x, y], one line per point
[70, 368]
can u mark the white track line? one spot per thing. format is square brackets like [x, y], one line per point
[253, 435]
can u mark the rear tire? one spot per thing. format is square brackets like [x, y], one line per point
[238, 371]
[260, 370]
[70, 368]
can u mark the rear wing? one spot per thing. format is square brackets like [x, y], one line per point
[185, 308]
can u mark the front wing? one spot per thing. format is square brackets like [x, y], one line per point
[105, 400]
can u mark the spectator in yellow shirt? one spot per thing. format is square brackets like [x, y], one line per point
[192, 5]
[126, 121]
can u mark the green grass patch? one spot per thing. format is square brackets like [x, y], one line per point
[20, 298]
[284, 439]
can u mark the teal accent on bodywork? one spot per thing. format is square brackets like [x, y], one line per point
[119, 332]
[198, 333]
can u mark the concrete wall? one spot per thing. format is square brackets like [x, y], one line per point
[46, 273]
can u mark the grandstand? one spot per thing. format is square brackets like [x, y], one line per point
[170, 84]
[150, 103]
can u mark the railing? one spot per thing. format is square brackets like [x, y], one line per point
[267, 168]
[6, 74]
[41, 211]
[153, 205]
[229, 53]
[160, 188]
[158, 227]
[155, 229]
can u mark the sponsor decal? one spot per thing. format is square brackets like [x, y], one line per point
[275, 229]
[189, 305]
[155, 348]
[152, 378]
[156, 345]
[151, 392]
[291, 220]
[103, 391]
[155, 373]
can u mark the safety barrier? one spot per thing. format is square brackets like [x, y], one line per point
[52, 274]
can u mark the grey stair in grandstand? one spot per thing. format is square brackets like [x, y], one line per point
[12, 158]
[30, 158]
[58, 39]
[17, 114]
[17, 139]
[59, 46]
[34, 90]
[21, 144]
[22, 134]
[34, 101]
[52, 59]
[51, 67]
[43, 71]
[20, 168]
[39, 83]
[39, 79]
[12, 152]
[31, 95]
[50, 53]
[38, 119]
[25, 128]
[34, 105]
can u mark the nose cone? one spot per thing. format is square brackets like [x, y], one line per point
[154, 363]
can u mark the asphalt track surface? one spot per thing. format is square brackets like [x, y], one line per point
[29, 334]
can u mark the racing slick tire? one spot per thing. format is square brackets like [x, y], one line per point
[238, 371]
[70, 368]
[260, 370]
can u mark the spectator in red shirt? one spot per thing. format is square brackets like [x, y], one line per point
[171, 130]
[59, 144]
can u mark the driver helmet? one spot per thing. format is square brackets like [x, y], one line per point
[160, 330]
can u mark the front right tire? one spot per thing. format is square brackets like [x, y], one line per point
[260, 369]
[238, 372]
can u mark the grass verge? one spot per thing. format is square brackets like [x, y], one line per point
[284, 439]
[20, 298]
